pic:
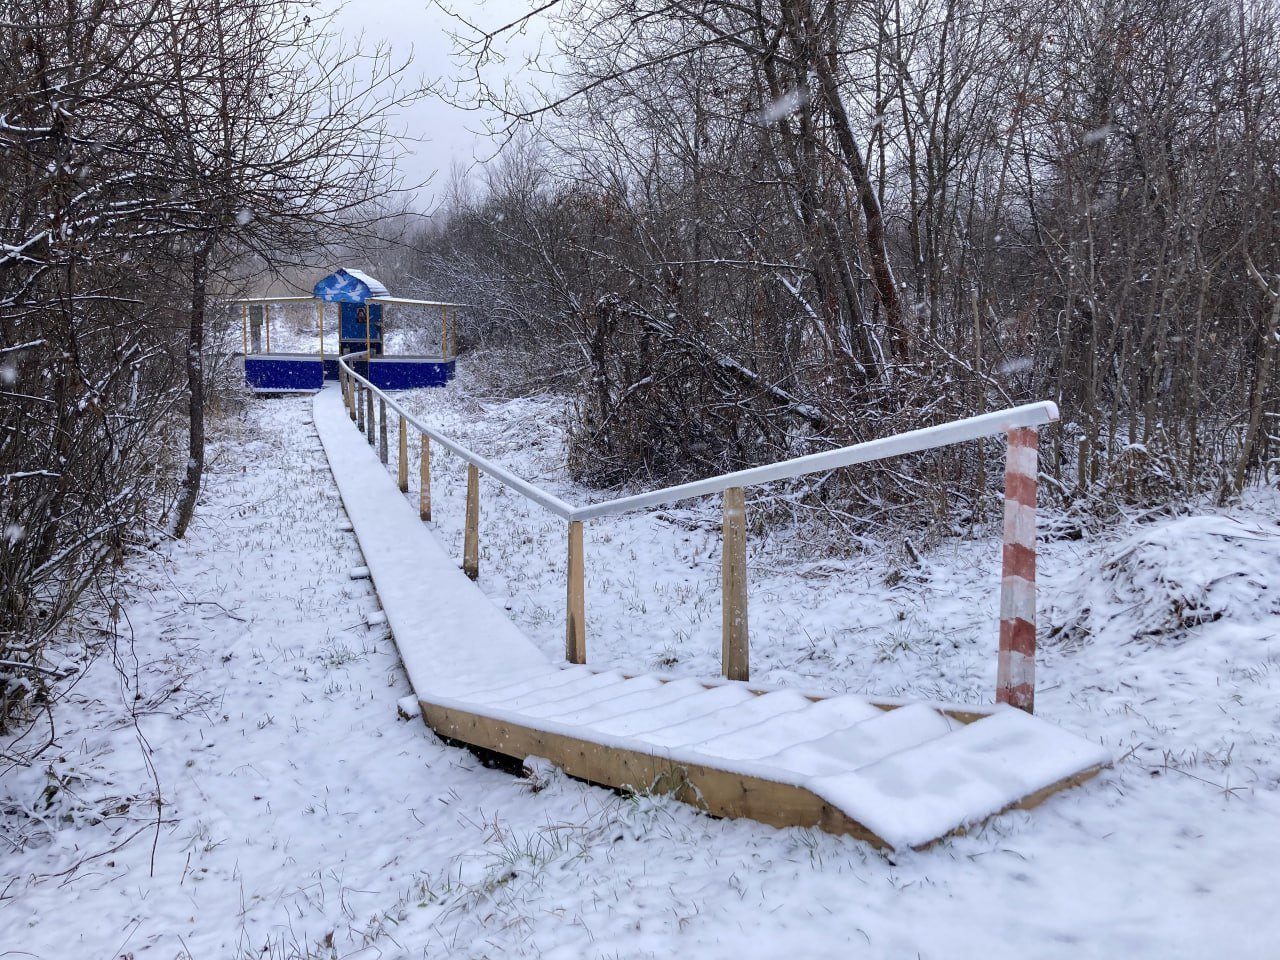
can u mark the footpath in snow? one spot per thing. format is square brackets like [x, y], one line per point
[301, 818]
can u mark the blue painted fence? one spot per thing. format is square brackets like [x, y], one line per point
[283, 373]
[301, 373]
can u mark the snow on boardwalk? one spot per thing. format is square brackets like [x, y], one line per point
[902, 777]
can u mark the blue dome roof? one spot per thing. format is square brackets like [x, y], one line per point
[348, 286]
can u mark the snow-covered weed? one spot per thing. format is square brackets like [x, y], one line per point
[337, 653]
[666, 658]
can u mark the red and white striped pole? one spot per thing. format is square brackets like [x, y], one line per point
[1016, 673]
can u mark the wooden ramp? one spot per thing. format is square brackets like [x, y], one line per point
[896, 774]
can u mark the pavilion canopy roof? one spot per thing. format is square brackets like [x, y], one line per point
[415, 303]
[347, 285]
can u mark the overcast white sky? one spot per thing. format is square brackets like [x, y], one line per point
[447, 134]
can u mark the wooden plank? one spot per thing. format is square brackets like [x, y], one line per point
[471, 539]
[1029, 802]
[1033, 800]
[718, 792]
[402, 464]
[424, 479]
[735, 656]
[575, 633]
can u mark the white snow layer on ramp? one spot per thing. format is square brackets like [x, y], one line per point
[446, 630]
[910, 774]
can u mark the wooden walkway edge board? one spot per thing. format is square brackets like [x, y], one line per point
[722, 793]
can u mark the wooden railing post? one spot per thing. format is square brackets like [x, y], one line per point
[471, 538]
[1016, 669]
[734, 650]
[370, 426]
[402, 471]
[360, 407]
[424, 479]
[382, 431]
[575, 630]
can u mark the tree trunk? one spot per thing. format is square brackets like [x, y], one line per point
[1250, 447]
[804, 35]
[190, 491]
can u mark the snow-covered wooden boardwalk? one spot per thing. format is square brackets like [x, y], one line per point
[896, 774]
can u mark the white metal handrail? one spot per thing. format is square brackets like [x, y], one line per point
[1015, 676]
[539, 496]
[914, 441]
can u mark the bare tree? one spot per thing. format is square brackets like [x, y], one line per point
[276, 143]
[150, 154]
[901, 210]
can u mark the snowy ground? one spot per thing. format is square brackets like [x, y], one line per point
[300, 818]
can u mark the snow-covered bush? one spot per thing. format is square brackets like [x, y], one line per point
[1170, 576]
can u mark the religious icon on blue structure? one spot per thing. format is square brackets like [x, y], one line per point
[360, 328]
